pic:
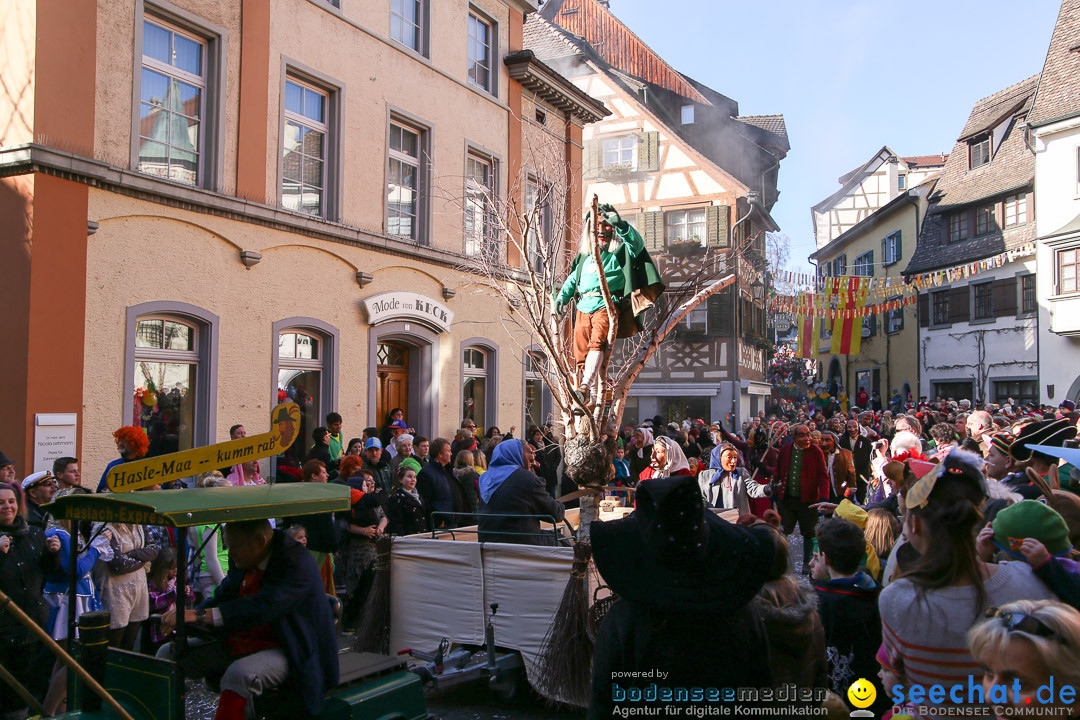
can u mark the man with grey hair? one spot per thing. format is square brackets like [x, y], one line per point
[980, 426]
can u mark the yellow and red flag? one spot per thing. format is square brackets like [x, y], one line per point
[808, 335]
[847, 327]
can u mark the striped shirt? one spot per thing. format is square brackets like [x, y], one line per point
[924, 637]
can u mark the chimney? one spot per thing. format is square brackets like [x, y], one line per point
[606, 4]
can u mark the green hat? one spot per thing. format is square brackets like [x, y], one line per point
[411, 463]
[1031, 519]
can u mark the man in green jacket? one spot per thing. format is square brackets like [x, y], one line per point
[622, 248]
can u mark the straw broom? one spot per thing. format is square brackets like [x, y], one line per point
[373, 630]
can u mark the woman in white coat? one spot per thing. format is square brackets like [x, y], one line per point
[726, 485]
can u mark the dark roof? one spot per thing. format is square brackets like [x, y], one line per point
[1011, 168]
[770, 123]
[617, 44]
[989, 111]
[1058, 96]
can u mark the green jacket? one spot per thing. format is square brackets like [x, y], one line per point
[628, 267]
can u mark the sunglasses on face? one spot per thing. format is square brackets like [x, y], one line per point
[1022, 622]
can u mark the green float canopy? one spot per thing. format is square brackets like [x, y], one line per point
[203, 506]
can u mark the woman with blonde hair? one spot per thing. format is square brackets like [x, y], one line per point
[1033, 643]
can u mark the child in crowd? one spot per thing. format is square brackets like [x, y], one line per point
[297, 533]
[162, 586]
[1037, 534]
[847, 599]
[622, 468]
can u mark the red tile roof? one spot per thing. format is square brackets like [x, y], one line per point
[926, 160]
[617, 44]
[1058, 96]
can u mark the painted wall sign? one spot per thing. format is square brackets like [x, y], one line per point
[284, 422]
[54, 437]
[408, 306]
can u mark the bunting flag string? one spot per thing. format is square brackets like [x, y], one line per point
[886, 287]
[830, 297]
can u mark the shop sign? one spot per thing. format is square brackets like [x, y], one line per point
[409, 307]
[284, 424]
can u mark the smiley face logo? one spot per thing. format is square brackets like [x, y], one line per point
[862, 693]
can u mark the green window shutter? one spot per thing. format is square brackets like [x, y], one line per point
[899, 246]
[716, 223]
[651, 227]
[649, 151]
[718, 307]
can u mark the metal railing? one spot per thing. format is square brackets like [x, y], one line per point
[455, 517]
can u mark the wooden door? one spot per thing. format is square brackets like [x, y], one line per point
[393, 372]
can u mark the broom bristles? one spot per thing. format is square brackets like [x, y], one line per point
[566, 659]
[373, 630]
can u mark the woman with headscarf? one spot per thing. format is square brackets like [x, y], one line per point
[667, 460]
[726, 485]
[640, 453]
[509, 487]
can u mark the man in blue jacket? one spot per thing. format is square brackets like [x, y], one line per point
[274, 622]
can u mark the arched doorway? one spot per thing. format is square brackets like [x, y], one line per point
[836, 375]
[403, 372]
[393, 377]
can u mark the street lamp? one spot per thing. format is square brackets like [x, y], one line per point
[757, 288]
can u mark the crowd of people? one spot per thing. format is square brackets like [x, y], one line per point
[939, 541]
[935, 540]
[401, 483]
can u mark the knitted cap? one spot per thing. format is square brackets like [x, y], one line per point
[411, 463]
[1031, 519]
[1003, 441]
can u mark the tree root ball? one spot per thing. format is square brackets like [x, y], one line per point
[588, 462]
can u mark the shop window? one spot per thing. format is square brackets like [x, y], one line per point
[170, 384]
[475, 386]
[304, 369]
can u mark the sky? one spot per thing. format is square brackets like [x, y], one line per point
[849, 76]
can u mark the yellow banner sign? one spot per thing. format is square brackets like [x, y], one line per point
[284, 421]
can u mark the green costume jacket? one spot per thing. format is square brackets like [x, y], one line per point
[628, 267]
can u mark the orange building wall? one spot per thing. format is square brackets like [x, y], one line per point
[16, 227]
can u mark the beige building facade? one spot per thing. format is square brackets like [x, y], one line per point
[260, 200]
[879, 246]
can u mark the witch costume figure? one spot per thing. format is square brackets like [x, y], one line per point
[684, 578]
[632, 279]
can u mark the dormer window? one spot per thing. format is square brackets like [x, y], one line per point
[978, 152]
[687, 115]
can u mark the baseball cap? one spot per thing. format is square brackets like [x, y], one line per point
[399, 425]
[373, 443]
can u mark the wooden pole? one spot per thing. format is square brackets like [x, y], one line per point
[6, 603]
[22, 691]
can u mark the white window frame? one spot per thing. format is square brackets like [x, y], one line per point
[418, 163]
[686, 115]
[864, 265]
[476, 18]
[537, 193]
[892, 256]
[420, 25]
[1060, 289]
[1018, 209]
[682, 220]
[620, 149]
[485, 373]
[174, 73]
[901, 182]
[972, 145]
[484, 241]
[175, 357]
[289, 116]
[696, 321]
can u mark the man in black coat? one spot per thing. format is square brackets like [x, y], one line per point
[436, 483]
[275, 623]
[861, 448]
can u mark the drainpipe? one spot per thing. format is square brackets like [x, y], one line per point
[733, 360]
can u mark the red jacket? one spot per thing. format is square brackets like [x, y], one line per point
[814, 480]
